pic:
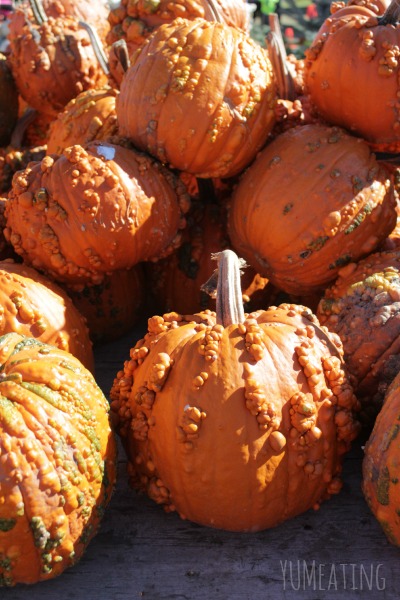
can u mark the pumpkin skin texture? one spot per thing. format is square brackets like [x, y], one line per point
[112, 307]
[34, 306]
[53, 62]
[381, 465]
[235, 426]
[90, 116]
[342, 207]
[343, 91]
[207, 98]
[108, 207]
[54, 423]
[134, 21]
[363, 308]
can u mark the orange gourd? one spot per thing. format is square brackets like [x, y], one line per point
[94, 210]
[58, 466]
[314, 200]
[237, 421]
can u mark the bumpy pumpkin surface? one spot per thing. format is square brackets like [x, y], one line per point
[363, 308]
[34, 306]
[344, 91]
[314, 200]
[206, 93]
[236, 426]
[90, 116]
[58, 465]
[92, 211]
[133, 21]
[381, 465]
[52, 62]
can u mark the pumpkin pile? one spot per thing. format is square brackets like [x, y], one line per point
[139, 143]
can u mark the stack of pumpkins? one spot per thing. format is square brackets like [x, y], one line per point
[171, 145]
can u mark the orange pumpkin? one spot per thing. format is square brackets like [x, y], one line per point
[237, 421]
[58, 465]
[381, 465]
[34, 306]
[89, 116]
[344, 91]
[314, 200]
[206, 93]
[362, 307]
[92, 211]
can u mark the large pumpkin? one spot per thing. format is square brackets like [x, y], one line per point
[34, 306]
[235, 421]
[314, 200]
[363, 308]
[206, 93]
[58, 465]
[354, 54]
[381, 465]
[94, 210]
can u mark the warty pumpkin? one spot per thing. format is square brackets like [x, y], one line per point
[58, 460]
[314, 200]
[206, 93]
[94, 210]
[89, 116]
[352, 72]
[52, 60]
[134, 21]
[237, 421]
[381, 465]
[363, 307]
[34, 306]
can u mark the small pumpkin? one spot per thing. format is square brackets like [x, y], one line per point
[52, 60]
[94, 210]
[237, 421]
[34, 306]
[314, 200]
[362, 307]
[61, 466]
[89, 116]
[343, 91]
[207, 96]
[381, 465]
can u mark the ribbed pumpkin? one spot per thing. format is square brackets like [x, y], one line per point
[89, 116]
[134, 21]
[33, 306]
[343, 91]
[381, 465]
[52, 60]
[58, 465]
[314, 200]
[112, 307]
[235, 421]
[88, 212]
[206, 94]
[363, 308]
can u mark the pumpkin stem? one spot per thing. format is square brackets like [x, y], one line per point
[224, 283]
[120, 49]
[38, 11]
[215, 11]
[277, 53]
[391, 16]
[97, 46]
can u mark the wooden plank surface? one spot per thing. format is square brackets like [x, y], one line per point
[339, 551]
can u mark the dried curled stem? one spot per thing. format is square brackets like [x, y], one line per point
[97, 46]
[38, 11]
[224, 284]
